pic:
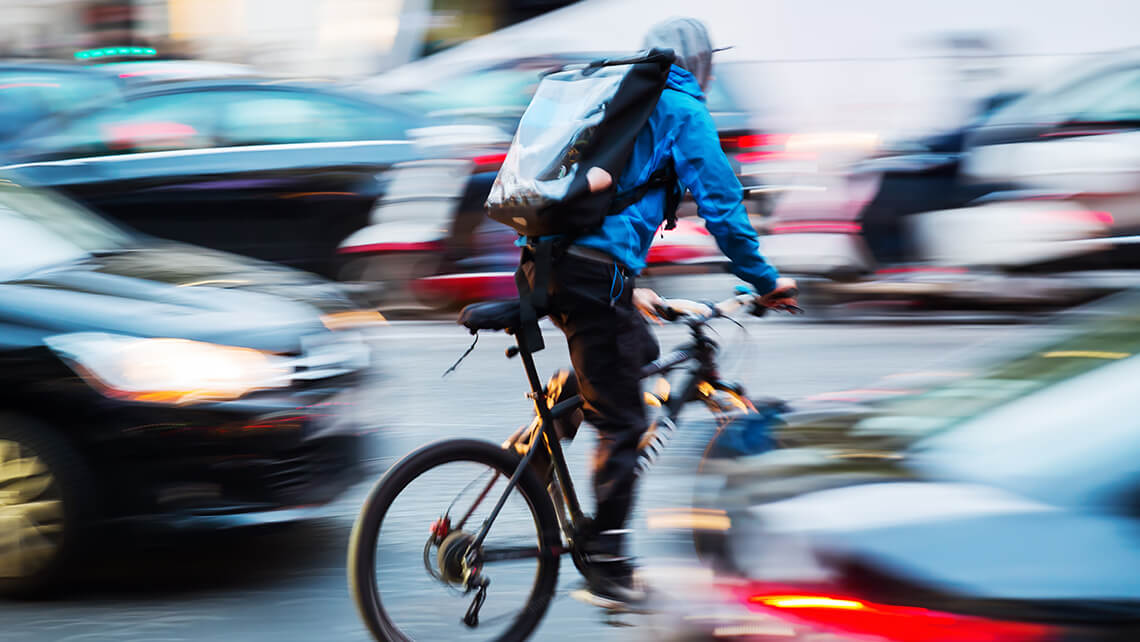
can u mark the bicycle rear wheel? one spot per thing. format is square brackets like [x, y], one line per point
[406, 554]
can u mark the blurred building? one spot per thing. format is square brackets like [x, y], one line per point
[309, 37]
[886, 66]
[455, 21]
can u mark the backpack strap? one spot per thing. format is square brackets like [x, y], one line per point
[533, 299]
[662, 177]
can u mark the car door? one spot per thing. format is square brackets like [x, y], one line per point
[273, 173]
[316, 168]
[132, 162]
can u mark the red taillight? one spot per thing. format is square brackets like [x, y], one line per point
[464, 288]
[817, 227]
[755, 157]
[1104, 218]
[665, 254]
[488, 162]
[752, 141]
[1088, 216]
[758, 148]
[1080, 216]
[847, 615]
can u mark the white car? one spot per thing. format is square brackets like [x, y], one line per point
[1076, 139]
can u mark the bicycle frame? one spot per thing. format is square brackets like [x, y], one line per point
[701, 351]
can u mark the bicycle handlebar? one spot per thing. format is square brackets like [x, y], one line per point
[700, 313]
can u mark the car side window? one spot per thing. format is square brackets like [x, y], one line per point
[267, 117]
[1121, 105]
[147, 124]
[1075, 102]
[26, 96]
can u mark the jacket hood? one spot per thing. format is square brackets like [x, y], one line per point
[683, 81]
[690, 42]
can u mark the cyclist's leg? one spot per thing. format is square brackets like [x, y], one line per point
[609, 341]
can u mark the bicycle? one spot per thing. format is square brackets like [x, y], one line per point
[458, 560]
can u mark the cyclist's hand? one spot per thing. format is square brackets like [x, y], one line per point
[783, 295]
[647, 303]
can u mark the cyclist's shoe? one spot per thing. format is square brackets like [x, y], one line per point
[610, 584]
[610, 574]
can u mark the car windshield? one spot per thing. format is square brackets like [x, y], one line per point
[39, 229]
[1058, 423]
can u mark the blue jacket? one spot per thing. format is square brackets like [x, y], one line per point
[681, 128]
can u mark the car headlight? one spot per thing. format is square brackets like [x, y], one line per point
[170, 371]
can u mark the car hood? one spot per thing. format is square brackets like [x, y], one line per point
[169, 290]
[962, 539]
[188, 266]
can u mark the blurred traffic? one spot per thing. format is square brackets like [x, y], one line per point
[944, 505]
[234, 236]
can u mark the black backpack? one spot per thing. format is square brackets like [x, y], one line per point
[581, 117]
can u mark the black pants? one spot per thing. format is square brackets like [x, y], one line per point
[591, 302]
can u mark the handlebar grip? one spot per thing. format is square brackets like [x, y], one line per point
[666, 312]
[790, 293]
[759, 309]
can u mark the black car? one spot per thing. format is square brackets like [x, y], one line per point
[275, 171]
[155, 381]
[31, 91]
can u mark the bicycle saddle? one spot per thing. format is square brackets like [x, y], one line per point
[491, 315]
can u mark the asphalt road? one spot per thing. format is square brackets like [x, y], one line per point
[289, 584]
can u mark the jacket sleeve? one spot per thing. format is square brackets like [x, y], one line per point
[703, 169]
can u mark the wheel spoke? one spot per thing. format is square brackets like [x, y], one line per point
[453, 600]
[478, 500]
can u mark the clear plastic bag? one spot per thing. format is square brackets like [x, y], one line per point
[544, 157]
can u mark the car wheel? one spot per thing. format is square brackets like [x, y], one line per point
[45, 501]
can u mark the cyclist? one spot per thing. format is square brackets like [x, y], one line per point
[592, 298]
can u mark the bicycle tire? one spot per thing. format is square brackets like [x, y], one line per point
[366, 531]
[712, 545]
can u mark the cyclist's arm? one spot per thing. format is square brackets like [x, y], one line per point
[704, 170]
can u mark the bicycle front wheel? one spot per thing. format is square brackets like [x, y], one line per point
[413, 568]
